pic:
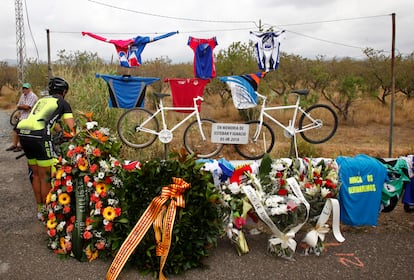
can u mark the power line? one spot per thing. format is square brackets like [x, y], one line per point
[169, 17]
[30, 30]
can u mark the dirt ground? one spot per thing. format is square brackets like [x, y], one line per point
[24, 254]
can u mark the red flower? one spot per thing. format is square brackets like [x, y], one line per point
[69, 189]
[279, 174]
[98, 205]
[108, 180]
[57, 183]
[87, 235]
[108, 227]
[96, 152]
[94, 198]
[93, 168]
[51, 232]
[72, 219]
[330, 184]
[100, 245]
[318, 181]
[70, 228]
[86, 179]
[282, 182]
[239, 222]
[66, 209]
[118, 211]
[51, 216]
[68, 169]
[282, 192]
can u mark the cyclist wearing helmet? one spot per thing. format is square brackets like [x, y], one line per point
[35, 134]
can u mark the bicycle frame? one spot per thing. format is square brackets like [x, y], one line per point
[290, 128]
[165, 134]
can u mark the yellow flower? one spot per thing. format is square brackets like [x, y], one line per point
[64, 199]
[62, 243]
[48, 197]
[83, 164]
[91, 255]
[100, 187]
[51, 224]
[109, 213]
[59, 174]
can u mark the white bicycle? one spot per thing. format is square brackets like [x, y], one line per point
[316, 124]
[139, 127]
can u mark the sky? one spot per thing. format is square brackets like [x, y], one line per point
[332, 28]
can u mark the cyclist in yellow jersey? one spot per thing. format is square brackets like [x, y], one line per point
[35, 134]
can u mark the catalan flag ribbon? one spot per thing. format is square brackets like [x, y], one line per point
[162, 217]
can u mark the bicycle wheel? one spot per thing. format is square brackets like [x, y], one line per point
[324, 127]
[15, 117]
[264, 143]
[129, 124]
[195, 144]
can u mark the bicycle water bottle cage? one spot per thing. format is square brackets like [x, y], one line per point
[301, 91]
[161, 95]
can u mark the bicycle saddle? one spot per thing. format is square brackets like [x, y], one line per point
[301, 91]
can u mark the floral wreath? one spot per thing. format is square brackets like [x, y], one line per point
[88, 160]
[266, 193]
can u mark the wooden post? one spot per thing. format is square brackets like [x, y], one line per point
[392, 86]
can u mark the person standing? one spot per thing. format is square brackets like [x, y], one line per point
[25, 105]
[35, 133]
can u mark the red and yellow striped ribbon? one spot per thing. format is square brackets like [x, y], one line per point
[162, 219]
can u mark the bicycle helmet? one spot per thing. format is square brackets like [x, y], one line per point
[57, 85]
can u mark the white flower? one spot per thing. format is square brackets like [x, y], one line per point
[227, 197]
[89, 227]
[97, 212]
[324, 192]
[71, 147]
[60, 226]
[279, 210]
[112, 201]
[312, 190]
[53, 197]
[90, 125]
[274, 200]
[53, 245]
[234, 188]
[101, 175]
[104, 130]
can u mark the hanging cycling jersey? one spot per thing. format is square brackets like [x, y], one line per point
[243, 89]
[129, 51]
[185, 90]
[126, 91]
[267, 49]
[204, 67]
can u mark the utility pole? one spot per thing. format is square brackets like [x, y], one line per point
[20, 43]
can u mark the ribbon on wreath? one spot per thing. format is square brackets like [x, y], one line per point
[321, 228]
[81, 204]
[162, 218]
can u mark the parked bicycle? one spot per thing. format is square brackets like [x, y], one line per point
[15, 117]
[316, 124]
[139, 127]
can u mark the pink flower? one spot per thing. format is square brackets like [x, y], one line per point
[239, 222]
